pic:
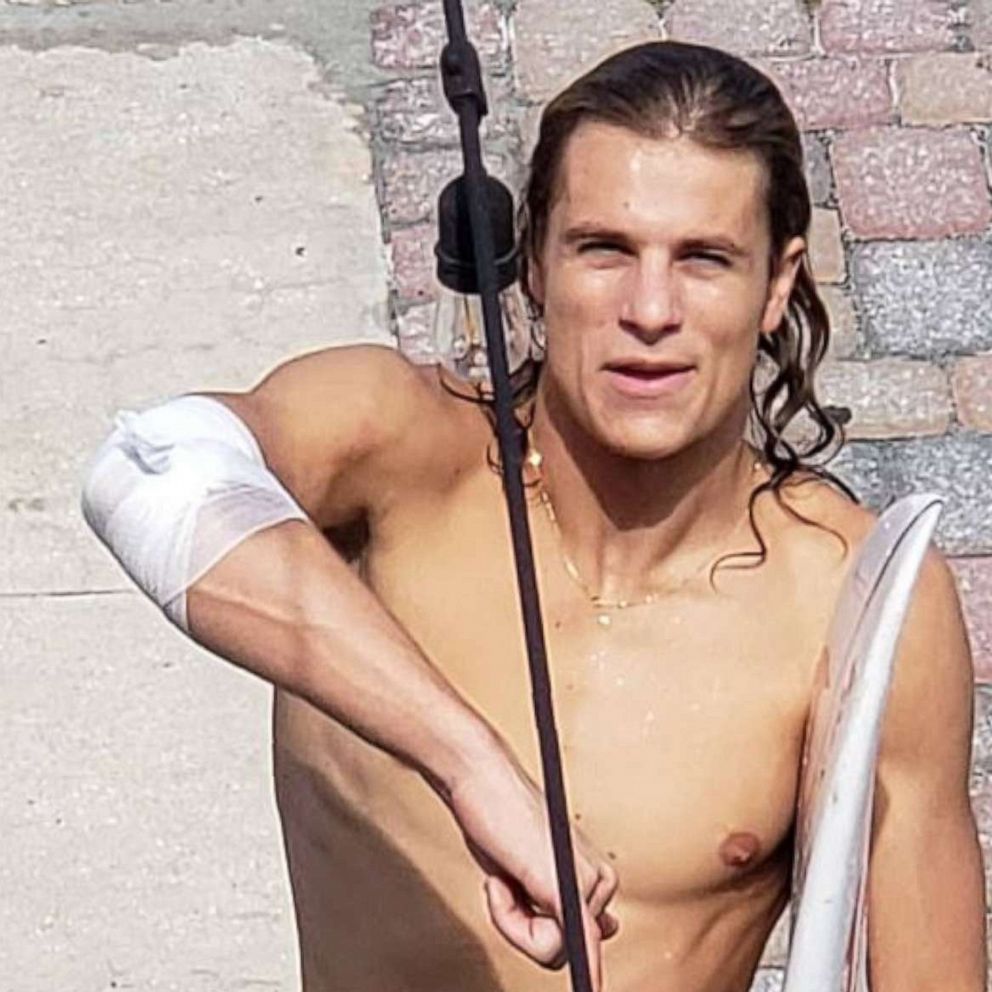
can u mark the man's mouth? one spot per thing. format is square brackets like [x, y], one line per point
[648, 379]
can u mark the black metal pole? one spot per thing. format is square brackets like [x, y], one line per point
[463, 87]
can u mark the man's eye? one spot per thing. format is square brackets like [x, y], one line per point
[599, 247]
[710, 257]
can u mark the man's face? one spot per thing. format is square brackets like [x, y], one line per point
[656, 281]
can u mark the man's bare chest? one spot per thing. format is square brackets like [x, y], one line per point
[681, 721]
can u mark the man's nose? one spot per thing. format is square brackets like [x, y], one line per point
[652, 305]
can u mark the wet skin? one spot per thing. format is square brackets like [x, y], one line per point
[681, 720]
[681, 726]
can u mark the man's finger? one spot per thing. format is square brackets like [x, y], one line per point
[603, 891]
[591, 929]
[609, 925]
[537, 936]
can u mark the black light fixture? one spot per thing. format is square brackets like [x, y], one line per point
[477, 262]
[459, 326]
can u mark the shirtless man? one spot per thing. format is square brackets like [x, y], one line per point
[664, 249]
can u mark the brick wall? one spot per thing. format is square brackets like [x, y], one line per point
[895, 101]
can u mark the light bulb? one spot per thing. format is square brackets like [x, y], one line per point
[460, 339]
[459, 330]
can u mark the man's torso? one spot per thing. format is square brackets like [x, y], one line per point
[681, 725]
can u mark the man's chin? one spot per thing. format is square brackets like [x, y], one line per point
[643, 446]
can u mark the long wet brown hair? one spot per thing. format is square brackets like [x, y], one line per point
[668, 89]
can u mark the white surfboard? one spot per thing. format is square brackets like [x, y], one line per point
[828, 948]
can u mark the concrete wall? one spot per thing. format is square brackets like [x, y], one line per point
[185, 203]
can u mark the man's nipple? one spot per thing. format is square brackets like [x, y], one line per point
[739, 850]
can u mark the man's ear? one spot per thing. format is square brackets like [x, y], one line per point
[780, 285]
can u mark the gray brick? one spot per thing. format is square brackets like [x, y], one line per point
[925, 298]
[958, 467]
[818, 173]
[955, 466]
[861, 464]
[981, 23]
[981, 758]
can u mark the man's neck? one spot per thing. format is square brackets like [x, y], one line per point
[634, 527]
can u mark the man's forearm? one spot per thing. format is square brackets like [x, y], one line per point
[183, 497]
[286, 606]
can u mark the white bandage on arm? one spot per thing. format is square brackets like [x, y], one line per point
[174, 489]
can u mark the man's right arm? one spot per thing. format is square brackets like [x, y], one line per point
[343, 430]
[346, 432]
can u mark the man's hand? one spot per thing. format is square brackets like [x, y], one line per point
[503, 816]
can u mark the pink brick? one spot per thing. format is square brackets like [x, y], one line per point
[911, 183]
[412, 180]
[414, 111]
[412, 253]
[752, 27]
[972, 382]
[415, 329]
[834, 92]
[887, 25]
[557, 40]
[826, 250]
[974, 578]
[946, 88]
[411, 35]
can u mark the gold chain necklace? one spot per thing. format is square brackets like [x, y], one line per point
[603, 606]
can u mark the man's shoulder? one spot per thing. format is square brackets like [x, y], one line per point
[346, 426]
[385, 399]
[814, 532]
[812, 501]
[821, 531]
[371, 375]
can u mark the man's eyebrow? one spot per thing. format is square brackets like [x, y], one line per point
[716, 241]
[585, 232]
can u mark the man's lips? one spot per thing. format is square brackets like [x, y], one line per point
[646, 379]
